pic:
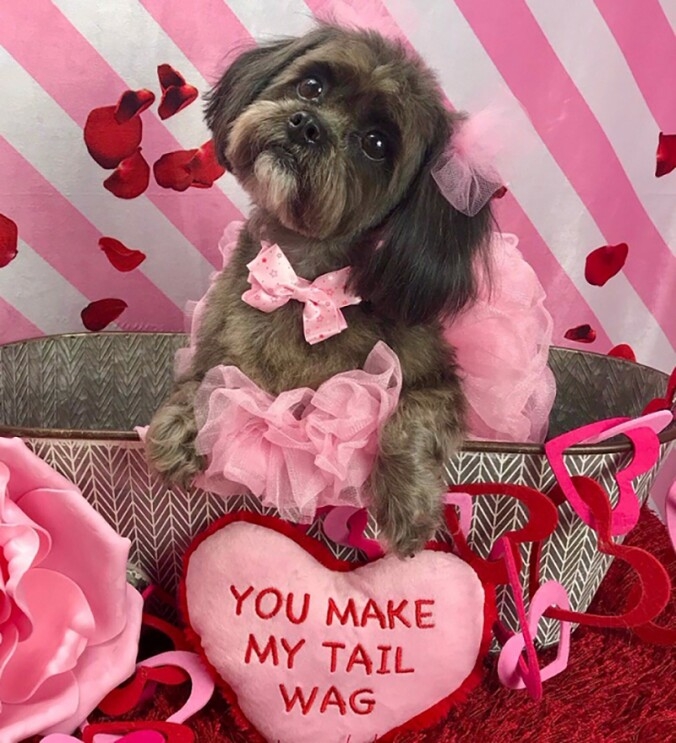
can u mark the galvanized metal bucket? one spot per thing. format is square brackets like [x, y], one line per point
[75, 400]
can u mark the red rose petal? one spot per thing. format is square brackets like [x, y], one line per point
[97, 315]
[9, 240]
[131, 177]
[500, 193]
[623, 351]
[205, 167]
[581, 334]
[666, 154]
[120, 256]
[132, 103]
[169, 77]
[604, 263]
[175, 99]
[108, 141]
[173, 170]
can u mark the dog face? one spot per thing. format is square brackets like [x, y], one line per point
[334, 134]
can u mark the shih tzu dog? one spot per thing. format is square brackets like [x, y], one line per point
[334, 135]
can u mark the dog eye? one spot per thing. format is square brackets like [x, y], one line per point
[310, 89]
[374, 145]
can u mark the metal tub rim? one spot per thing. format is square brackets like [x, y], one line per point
[618, 445]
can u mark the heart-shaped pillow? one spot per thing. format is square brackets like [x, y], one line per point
[311, 648]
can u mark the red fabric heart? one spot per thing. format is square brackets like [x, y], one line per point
[175, 99]
[9, 240]
[176, 637]
[108, 141]
[173, 170]
[654, 588]
[204, 166]
[666, 154]
[97, 315]
[126, 697]
[604, 263]
[581, 334]
[131, 177]
[120, 256]
[542, 520]
[623, 351]
[132, 103]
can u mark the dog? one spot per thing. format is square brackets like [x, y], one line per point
[334, 136]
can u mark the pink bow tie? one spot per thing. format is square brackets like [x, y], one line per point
[274, 282]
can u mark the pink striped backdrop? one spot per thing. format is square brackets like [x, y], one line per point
[591, 83]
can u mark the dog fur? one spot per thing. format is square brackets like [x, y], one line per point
[329, 205]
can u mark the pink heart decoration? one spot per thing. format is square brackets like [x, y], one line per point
[143, 736]
[138, 736]
[646, 446]
[549, 594]
[202, 686]
[346, 525]
[656, 421]
[670, 514]
[463, 502]
[313, 649]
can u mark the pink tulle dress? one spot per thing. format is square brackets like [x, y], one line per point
[307, 449]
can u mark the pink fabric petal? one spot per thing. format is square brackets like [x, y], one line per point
[86, 549]
[502, 343]
[12, 515]
[19, 548]
[28, 471]
[103, 667]
[303, 449]
[62, 623]
[58, 698]
[9, 639]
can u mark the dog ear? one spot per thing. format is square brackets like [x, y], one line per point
[423, 266]
[247, 77]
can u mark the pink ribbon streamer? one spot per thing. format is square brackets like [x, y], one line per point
[642, 432]
[670, 514]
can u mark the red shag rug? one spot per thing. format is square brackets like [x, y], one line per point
[616, 689]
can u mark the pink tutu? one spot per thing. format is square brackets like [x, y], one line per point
[195, 310]
[307, 449]
[502, 343]
[303, 449]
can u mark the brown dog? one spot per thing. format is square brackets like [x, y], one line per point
[334, 135]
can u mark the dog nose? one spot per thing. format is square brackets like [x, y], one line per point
[304, 128]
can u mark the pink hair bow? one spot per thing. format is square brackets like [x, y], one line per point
[466, 173]
[274, 283]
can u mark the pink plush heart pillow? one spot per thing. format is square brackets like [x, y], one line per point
[311, 649]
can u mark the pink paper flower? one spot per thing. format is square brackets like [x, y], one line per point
[69, 622]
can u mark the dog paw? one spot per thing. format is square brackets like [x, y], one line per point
[406, 535]
[170, 443]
